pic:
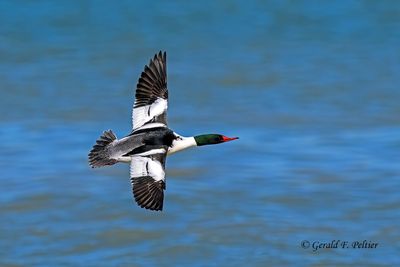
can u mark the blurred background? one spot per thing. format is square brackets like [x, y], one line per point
[310, 87]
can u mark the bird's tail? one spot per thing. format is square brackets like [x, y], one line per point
[100, 153]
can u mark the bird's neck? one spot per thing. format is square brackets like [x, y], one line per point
[181, 143]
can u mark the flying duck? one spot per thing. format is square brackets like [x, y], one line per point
[150, 141]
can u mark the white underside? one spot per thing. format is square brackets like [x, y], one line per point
[152, 152]
[124, 159]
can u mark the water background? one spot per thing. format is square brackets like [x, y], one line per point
[310, 87]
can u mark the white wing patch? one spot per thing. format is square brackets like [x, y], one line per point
[143, 166]
[141, 115]
[151, 125]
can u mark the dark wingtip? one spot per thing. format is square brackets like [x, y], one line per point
[161, 55]
[148, 193]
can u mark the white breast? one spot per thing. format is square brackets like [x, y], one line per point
[181, 143]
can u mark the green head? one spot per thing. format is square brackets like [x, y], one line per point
[212, 139]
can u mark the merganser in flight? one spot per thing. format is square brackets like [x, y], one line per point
[150, 141]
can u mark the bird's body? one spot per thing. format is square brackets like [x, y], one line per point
[150, 141]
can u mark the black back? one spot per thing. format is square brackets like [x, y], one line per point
[155, 138]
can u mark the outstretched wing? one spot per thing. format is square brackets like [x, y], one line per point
[151, 98]
[148, 180]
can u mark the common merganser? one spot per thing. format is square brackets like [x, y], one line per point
[150, 141]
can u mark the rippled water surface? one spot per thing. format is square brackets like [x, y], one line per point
[311, 88]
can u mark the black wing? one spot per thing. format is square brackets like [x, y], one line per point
[148, 180]
[151, 98]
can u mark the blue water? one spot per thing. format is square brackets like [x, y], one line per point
[310, 87]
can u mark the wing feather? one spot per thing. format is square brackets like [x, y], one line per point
[148, 180]
[151, 98]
